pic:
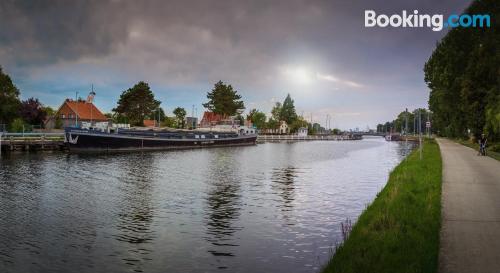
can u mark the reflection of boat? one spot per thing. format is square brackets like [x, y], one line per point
[78, 139]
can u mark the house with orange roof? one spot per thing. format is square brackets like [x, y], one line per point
[74, 112]
[210, 119]
[150, 123]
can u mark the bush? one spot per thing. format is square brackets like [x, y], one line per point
[17, 125]
[495, 148]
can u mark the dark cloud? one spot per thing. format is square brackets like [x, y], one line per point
[251, 44]
[38, 32]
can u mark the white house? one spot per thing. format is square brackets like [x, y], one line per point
[284, 129]
[302, 132]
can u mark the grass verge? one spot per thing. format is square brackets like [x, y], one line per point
[399, 231]
[475, 146]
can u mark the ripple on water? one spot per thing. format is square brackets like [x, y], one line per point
[273, 207]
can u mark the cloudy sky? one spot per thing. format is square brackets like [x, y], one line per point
[318, 51]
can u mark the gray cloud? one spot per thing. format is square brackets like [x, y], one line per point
[192, 44]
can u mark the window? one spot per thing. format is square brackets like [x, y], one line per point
[63, 116]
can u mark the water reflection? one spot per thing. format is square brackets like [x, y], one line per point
[223, 203]
[137, 211]
[283, 184]
[265, 208]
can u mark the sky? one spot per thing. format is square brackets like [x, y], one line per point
[319, 52]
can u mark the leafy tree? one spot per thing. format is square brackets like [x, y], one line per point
[257, 118]
[137, 103]
[32, 111]
[9, 99]
[464, 77]
[224, 100]
[276, 111]
[18, 125]
[49, 111]
[180, 114]
[272, 124]
[156, 114]
[336, 131]
[288, 112]
[298, 123]
[169, 122]
[493, 117]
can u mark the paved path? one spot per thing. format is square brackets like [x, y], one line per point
[470, 233]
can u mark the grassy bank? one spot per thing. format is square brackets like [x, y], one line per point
[475, 146]
[399, 231]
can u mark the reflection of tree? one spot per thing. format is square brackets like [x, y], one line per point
[134, 222]
[223, 203]
[283, 183]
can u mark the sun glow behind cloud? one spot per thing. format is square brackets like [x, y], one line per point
[303, 75]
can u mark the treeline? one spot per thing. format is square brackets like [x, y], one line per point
[138, 103]
[17, 115]
[463, 74]
[416, 119]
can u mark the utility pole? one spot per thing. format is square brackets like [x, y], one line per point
[420, 132]
[192, 117]
[76, 114]
[406, 130]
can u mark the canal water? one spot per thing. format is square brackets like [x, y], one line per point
[273, 207]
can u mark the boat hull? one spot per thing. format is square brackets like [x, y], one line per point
[90, 142]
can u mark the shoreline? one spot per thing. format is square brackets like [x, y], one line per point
[399, 230]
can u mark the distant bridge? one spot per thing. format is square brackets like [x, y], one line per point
[370, 134]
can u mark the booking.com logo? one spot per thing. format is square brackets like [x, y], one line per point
[416, 20]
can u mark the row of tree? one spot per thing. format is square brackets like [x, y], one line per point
[463, 74]
[138, 103]
[15, 114]
[409, 122]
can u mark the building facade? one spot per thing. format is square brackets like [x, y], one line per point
[75, 113]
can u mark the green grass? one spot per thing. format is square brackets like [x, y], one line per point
[475, 146]
[399, 231]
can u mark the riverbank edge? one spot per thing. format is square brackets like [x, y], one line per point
[475, 146]
[399, 231]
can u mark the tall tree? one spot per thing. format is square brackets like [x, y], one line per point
[32, 112]
[288, 112]
[136, 103]
[224, 100]
[257, 117]
[276, 111]
[463, 74]
[9, 99]
[180, 114]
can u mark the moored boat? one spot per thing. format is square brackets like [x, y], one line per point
[92, 140]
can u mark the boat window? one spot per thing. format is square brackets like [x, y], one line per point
[63, 116]
[202, 136]
[216, 136]
[196, 136]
